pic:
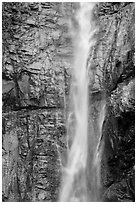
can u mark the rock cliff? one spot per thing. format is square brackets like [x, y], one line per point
[36, 74]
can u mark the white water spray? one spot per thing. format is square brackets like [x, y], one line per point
[74, 185]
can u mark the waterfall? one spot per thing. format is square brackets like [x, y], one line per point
[74, 185]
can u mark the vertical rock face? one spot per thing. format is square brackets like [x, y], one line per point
[36, 56]
[36, 49]
[114, 57]
[32, 144]
[37, 61]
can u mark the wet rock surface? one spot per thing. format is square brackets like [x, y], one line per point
[37, 62]
[114, 57]
[119, 126]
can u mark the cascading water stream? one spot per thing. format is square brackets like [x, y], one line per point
[74, 185]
